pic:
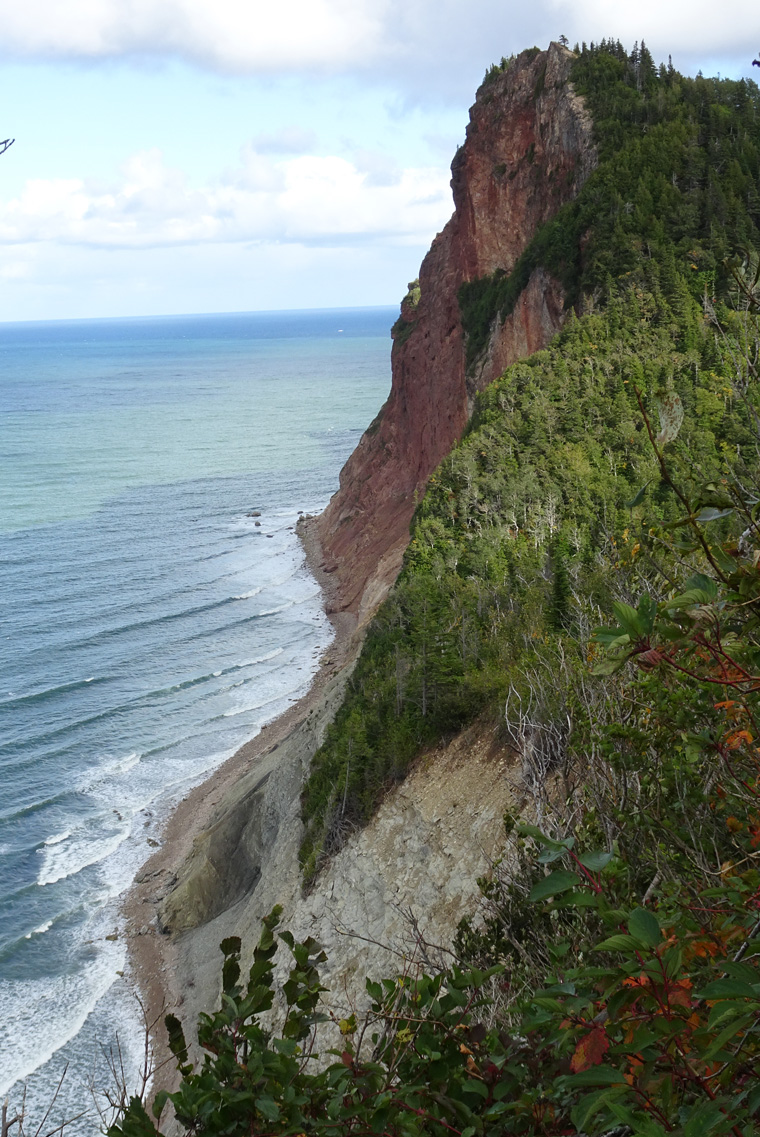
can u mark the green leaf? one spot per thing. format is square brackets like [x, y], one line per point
[618, 942]
[753, 1102]
[706, 1117]
[268, 1108]
[581, 898]
[637, 500]
[612, 664]
[728, 989]
[703, 584]
[681, 523]
[159, 1102]
[595, 861]
[558, 881]
[525, 830]
[177, 1043]
[374, 990]
[230, 973]
[628, 617]
[596, 1076]
[546, 1003]
[709, 513]
[740, 1022]
[611, 637]
[591, 1103]
[685, 544]
[644, 927]
[647, 613]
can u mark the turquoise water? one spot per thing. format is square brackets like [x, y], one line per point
[149, 624]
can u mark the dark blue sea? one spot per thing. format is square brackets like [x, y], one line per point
[149, 623]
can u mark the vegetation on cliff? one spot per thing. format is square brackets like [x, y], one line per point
[614, 987]
[677, 182]
[524, 531]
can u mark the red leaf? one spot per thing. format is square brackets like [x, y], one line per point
[734, 740]
[679, 993]
[590, 1051]
[347, 1058]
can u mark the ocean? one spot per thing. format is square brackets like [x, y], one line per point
[155, 612]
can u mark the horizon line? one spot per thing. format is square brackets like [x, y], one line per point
[191, 315]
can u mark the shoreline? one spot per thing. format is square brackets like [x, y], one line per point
[152, 956]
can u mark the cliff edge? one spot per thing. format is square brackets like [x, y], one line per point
[528, 151]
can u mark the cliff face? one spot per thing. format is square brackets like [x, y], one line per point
[528, 151]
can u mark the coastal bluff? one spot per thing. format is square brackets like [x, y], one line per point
[231, 851]
[528, 151]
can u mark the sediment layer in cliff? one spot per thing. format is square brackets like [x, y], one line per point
[528, 151]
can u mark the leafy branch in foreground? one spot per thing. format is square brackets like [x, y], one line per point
[645, 1036]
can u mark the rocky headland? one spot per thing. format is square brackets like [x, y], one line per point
[230, 851]
[528, 151]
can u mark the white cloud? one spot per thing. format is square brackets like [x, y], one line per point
[673, 26]
[70, 282]
[381, 169]
[433, 45]
[308, 200]
[236, 35]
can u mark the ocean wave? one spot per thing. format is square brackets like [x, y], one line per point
[220, 629]
[51, 692]
[259, 659]
[198, 679]
[33, 807]
[39, 1016]
[57, 838]
[157, 594]
[156, 621]
[114, 768]
[81, 851]
[279, 608]
[31, 739]
[41, 930]
[279, 697]
[248, 595]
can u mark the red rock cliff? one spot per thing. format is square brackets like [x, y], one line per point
[528, 150]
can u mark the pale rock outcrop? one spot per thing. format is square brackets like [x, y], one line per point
[410, 872]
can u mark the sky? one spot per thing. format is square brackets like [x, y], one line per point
[181, 156]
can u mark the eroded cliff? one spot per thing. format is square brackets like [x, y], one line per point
[528, 151]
